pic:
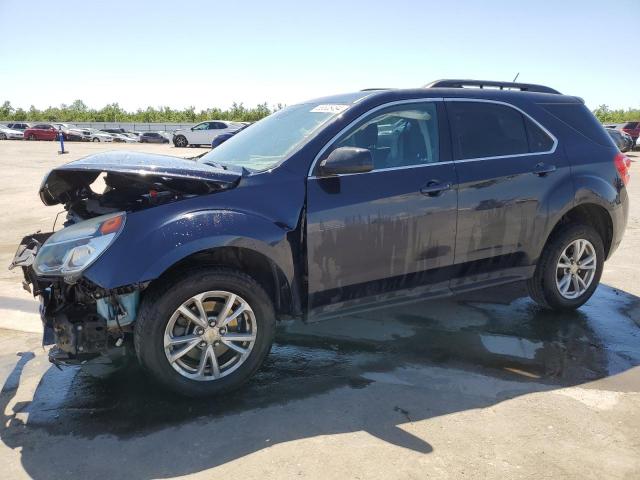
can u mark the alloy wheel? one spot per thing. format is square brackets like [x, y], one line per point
[210, 335]
[576, 269]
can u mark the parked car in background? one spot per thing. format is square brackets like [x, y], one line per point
[632, 129]
[631, 142]
[41, 131]
[7, 133]
[70, 132]
[95, 135]
[330, 207]
[223, 137]
[153, 137]
[114, 130]
[618, 138]
[22, 126]
[123, 138]
[203, 133]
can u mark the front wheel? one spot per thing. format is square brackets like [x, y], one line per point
[96, 139]
[32, 137]
[205, 331]
[2, 136]
[569, 268]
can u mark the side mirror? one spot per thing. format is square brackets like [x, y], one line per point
[346, 160]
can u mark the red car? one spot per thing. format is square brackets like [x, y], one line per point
[41, 131]
[632, 128]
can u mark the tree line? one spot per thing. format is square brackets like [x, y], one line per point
[79, 112]
[607, 115]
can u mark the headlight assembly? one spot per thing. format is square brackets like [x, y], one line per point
[71, 250]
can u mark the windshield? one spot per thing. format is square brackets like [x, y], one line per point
[273, 138]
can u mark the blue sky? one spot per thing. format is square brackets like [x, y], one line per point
[205, 53]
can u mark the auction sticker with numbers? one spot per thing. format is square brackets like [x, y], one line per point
[330, 108]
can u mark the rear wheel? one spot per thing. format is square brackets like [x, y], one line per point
[569, 268]
[180, 141]
[96, 139]
[205, 331]
[2, 136]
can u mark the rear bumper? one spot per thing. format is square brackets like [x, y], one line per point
[619, 217]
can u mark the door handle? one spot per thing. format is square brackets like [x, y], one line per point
[542, 169]
[433, 188]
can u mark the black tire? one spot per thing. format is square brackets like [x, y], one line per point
[95, 139]
[159, 303]
[180, 141]
[32, 137]
[542, 286]
[2, 136]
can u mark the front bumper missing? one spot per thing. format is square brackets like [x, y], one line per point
[82, 320]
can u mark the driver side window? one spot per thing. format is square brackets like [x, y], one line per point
[398, 136]
[202, 126]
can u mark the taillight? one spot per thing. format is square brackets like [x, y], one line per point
[623, 163]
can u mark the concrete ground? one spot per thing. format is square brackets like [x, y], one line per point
[487, 386]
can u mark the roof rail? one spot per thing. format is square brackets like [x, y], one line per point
[524, 87]
[374, 88]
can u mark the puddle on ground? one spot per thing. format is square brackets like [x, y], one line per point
[502, 337]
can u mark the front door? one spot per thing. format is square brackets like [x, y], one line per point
[369, 234]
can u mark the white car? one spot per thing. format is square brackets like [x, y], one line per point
[7, 133]
[203, 133]
[95, 135]
[122, 138]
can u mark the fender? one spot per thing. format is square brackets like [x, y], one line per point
[157, 248]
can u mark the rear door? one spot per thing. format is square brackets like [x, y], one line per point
[509, 173]
[390, 229]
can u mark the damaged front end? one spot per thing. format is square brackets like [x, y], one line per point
[83, 319]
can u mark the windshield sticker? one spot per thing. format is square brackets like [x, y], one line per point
[330, 108]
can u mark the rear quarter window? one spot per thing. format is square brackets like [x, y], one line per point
[578, 117]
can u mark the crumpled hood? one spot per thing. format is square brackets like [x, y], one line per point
[63, 183]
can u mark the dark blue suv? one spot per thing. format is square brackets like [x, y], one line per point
[325, 208]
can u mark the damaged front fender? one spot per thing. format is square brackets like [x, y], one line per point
[144, 251]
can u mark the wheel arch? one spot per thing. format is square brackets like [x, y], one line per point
[591, 214]
[286, 300]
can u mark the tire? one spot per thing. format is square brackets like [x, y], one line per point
[2, 136]
[180, 141]
[544, 286]
[96, 139]
[160, 307]
[32, 137]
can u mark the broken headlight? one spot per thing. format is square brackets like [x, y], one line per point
[71, 250]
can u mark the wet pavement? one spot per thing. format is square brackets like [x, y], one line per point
[371, 373]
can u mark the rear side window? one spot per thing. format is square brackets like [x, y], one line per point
[481, 129]
[578, 117]
[631, 125]
[539, 140]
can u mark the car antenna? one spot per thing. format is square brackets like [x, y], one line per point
[516, 77]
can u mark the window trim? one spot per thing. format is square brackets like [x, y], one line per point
[361, 117]
[525, 114]
[553, 149]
